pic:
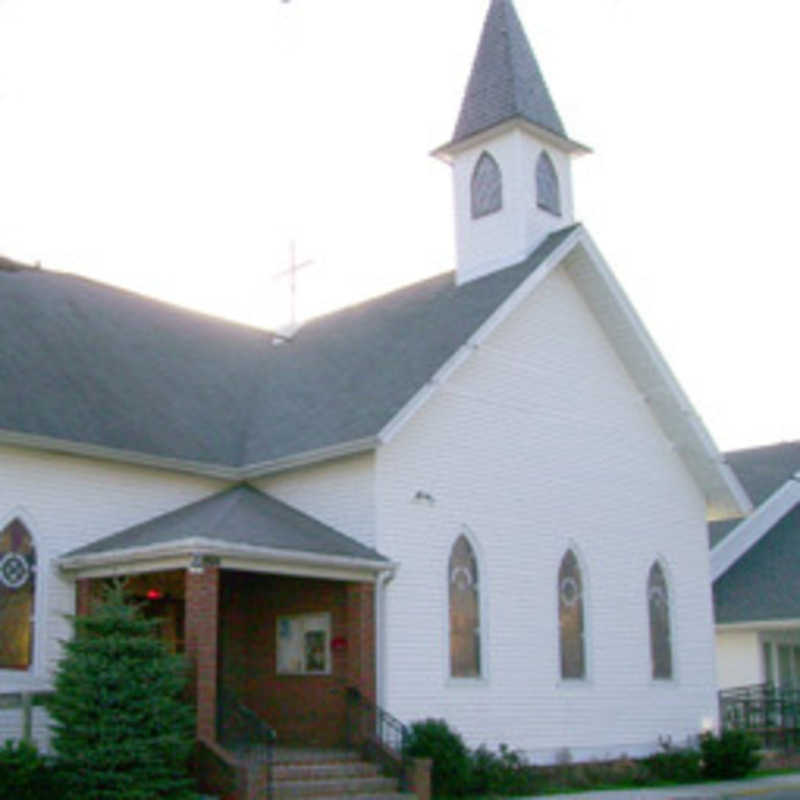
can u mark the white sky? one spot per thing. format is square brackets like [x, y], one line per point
[176, 146]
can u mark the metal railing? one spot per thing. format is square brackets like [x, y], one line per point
[377, 734]
[770, 712]
[242, 731]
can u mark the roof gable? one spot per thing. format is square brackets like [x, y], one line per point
[761, 585]
[238, 517]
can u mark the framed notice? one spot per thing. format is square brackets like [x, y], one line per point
[303, 644]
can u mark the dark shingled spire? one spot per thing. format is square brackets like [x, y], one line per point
[506, 81]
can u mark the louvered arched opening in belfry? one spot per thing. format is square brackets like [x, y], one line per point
[548, 194]
[571, 621]
[17, 596]
[464, 590]
[658, 610]
[486, 187]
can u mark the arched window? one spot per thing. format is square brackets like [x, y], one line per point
[548, 195]
[487, 187]
[17, 583]
[658, 604]
[465, 636]
[570, 618]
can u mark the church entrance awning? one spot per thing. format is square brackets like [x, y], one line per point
[274, 610]
[240, 528]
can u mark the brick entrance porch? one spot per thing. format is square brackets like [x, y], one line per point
[229, 624]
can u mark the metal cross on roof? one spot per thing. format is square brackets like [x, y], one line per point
[291, 273]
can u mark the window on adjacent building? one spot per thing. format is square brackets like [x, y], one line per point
[17, 593]
[548, 195]
[487, 187]
[465, 636]
[658, 603]
[570, 618]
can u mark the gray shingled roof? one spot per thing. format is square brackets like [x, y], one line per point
[241, 515]
[763, 583]
[506, 81]
[87, 363]
[762, 471]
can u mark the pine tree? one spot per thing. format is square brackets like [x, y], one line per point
[121, 730]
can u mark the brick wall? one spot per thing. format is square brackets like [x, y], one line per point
[303, 709]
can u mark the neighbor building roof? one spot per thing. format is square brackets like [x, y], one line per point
[754, 562]
[761, 471]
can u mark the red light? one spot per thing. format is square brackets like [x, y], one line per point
[154, 594]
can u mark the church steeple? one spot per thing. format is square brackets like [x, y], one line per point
[510, 152]
[506, 81]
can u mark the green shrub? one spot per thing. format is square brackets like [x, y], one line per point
[734, 754]
[679, 764]
[120, 728]
[26, 775]
[504, 773]
[432, 738]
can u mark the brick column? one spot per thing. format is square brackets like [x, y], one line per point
[200, 631]
[83, 596]
[361, 638]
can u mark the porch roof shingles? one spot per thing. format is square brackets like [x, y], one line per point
[241, 515]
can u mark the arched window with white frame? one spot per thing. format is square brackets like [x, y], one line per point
[464, 591]
[571, 618]
[658, 610]
[486, 187]
[17, 596]
[548, 193]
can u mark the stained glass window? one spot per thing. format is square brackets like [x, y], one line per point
[465, 637]
[17, 584]
[487, 187]
[658, 602]
[548, 195]
[570, 618]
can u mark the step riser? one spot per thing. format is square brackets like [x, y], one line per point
[318, 772]
[361, 786]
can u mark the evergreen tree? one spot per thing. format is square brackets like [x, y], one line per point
[121, 729]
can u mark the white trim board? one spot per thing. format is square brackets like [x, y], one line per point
[749, 532]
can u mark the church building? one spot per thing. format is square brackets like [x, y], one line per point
[482, 497]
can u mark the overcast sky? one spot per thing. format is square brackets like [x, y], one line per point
[175, 147]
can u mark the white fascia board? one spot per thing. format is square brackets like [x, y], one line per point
[354, 447]
[759, 625]
[447, 152]
[249, 557]
[511, 303]
[98, 452]
[750, 531]
[71, 448]
[726, 496]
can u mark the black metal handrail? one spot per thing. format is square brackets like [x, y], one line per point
[242, 731]
[771, 712]
[378, 734]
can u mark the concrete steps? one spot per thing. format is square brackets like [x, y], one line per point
[324, 775]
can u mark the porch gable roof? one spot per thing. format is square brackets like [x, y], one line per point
[241, 517]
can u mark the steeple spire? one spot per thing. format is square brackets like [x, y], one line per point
[506, 81]
[510, 153]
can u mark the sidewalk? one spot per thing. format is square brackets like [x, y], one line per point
[751, 787]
